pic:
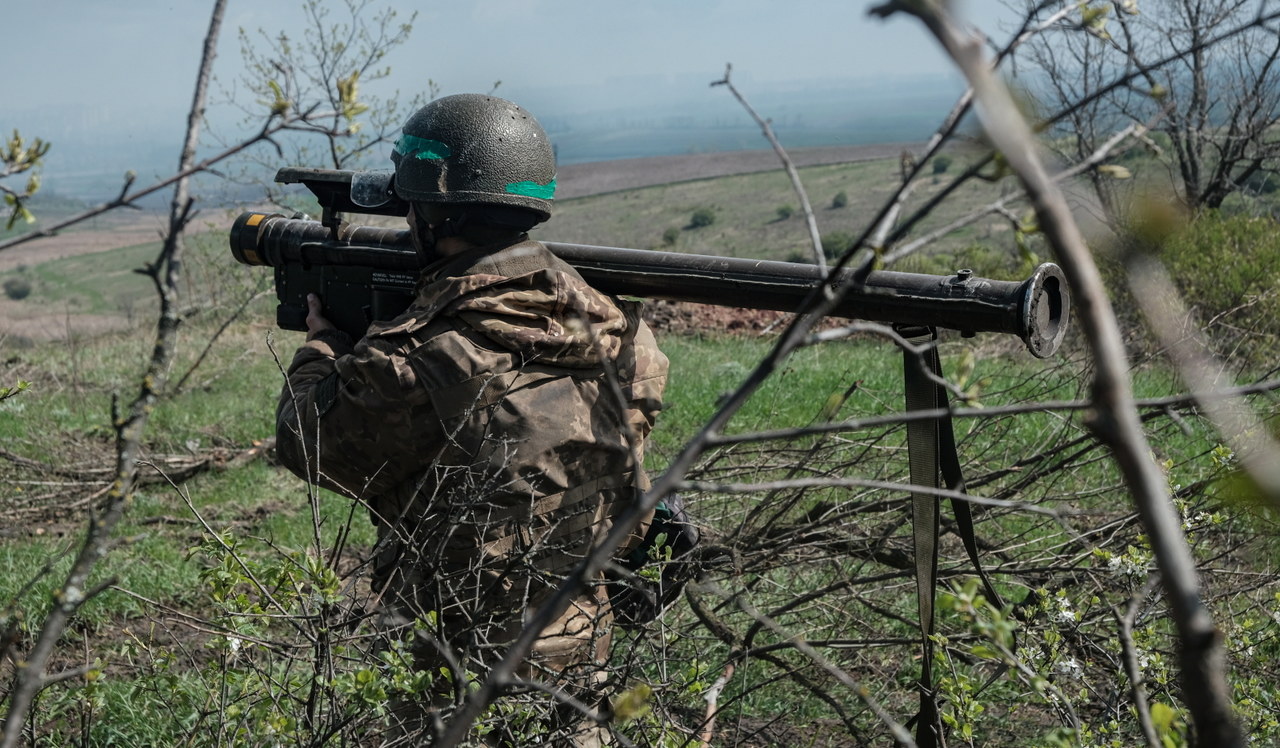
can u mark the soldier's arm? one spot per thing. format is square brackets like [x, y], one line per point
[345, 420]
[648, 379]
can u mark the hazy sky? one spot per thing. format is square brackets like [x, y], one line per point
[109, 81]
[143, 54]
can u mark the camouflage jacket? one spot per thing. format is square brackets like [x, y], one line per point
[492, 430]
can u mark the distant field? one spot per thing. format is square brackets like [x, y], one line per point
[585, 180]
[747, 219]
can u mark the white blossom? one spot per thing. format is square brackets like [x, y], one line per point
[1069, 667]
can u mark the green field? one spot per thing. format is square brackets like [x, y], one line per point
[221, 598]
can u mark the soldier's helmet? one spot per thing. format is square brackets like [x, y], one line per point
[476, 149]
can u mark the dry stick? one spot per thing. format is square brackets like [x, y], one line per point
[800, 483]
[810, 221]
[722, 632]
[1114, 418]
[1259, 454]
[261, 587]
[126, 199]
[944, 133]
[1095, 158]
[1132, 669]
[31, 676]
[1160, 404]
[712, 697]
[899, 732]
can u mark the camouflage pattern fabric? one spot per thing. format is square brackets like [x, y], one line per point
[492, 444]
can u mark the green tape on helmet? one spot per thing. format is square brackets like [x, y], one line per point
[413, 146]
[530, 188]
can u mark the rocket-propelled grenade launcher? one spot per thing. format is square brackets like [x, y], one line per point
[364, 273]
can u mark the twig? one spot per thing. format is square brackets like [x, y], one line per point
[31, 676]
[942, 493]
[1131, 667]
[1259, 454]
[177, 388]
[1161, 404]
[712, 697]
[1097, 157]
[860, 691]
[815, 240]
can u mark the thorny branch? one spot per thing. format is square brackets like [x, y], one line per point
[31, 677]
[1114, 418]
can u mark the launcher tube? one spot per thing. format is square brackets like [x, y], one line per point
[1035, 309]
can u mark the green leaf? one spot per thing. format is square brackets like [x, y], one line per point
[985, 652]
[280, 105]
[632, 703]
[1162, 717]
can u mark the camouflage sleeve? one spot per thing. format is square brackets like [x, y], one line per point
[345, 417]
[648, 382]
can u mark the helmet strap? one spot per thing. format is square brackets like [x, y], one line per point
[426, 237]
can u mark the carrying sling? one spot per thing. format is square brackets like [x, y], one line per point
[931, 446]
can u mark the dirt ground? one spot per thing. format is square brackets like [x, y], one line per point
[21, 322]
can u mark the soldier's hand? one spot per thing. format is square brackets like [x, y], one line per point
[316, 321]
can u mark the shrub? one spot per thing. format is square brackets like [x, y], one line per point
[835, 243]
[17, 288]
[785, 212]
[840, 200]
[670, 236]
[941, 163]
[1228, 270]
[702, 217]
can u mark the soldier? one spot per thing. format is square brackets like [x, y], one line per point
[495, 427]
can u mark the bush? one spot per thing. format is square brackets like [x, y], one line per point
[17, 288]
[670, 236]
[835, 243]
[785, 212]
[840, 200]
[1228, 270]
[702, 217]
[940, 164]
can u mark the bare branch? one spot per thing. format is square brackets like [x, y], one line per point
[1115, 417]
[1259, 454]
[815, 240]
[31, 676]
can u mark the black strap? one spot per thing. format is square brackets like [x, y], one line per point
[922, 449]
[931, 446]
